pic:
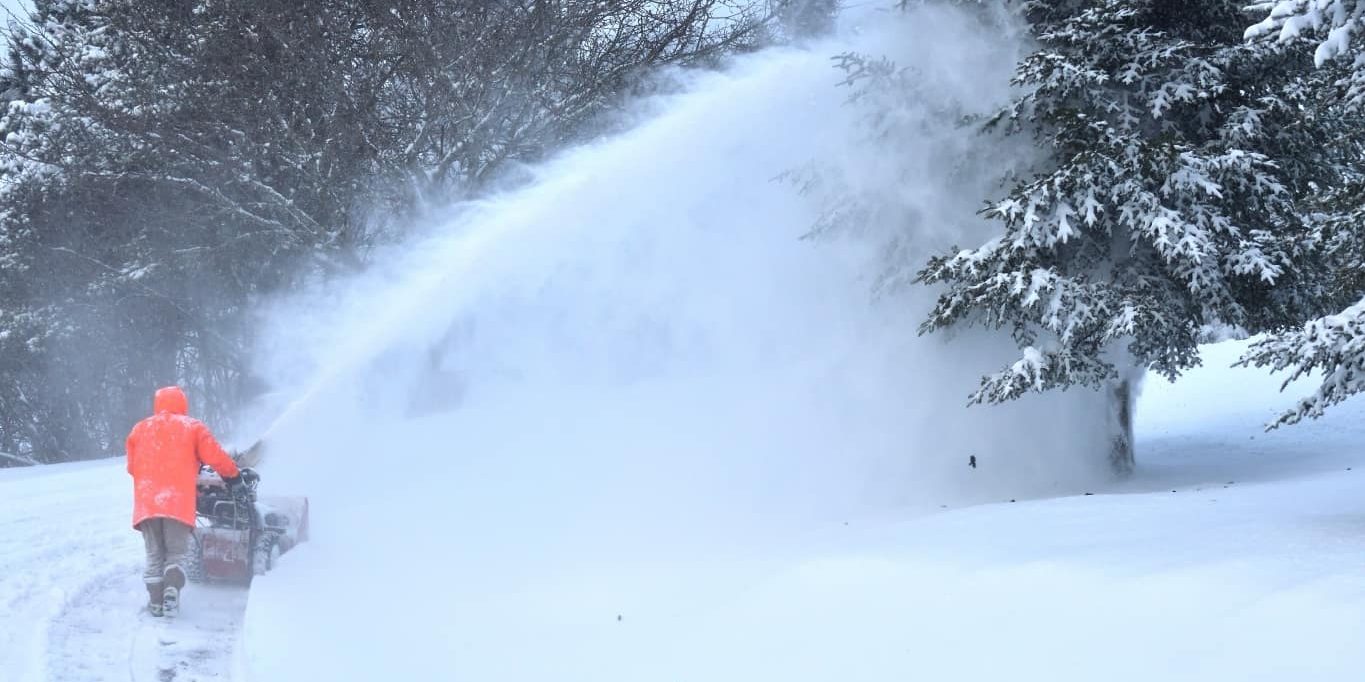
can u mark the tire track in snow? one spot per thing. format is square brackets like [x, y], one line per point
[62, 529]
[88, 639]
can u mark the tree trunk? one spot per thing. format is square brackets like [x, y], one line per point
[1121, 400]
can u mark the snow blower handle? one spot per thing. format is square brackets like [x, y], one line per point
[240, 487]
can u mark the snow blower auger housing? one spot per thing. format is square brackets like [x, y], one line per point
[234, 542]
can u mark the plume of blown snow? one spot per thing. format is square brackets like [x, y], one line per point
[635, 366]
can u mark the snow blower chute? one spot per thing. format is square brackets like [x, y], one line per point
[234, 541]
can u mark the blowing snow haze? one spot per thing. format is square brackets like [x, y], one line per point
[637, 366]
[646, 321]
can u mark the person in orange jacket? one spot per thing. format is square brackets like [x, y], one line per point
[165, 452]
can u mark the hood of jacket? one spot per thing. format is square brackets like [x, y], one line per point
[170, 400]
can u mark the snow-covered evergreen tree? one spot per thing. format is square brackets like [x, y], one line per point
[1332, 345]
[1171, 201]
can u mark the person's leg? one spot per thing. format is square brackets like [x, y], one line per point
[154, 573]
[177, 538]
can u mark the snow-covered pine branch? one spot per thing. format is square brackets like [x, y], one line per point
[1331, 346]
[1335, 28]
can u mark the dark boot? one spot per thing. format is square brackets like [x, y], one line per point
[156, 599]
[175, 579]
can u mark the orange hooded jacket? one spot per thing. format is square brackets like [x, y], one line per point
[164, 454]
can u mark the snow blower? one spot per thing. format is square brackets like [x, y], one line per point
[235, 541]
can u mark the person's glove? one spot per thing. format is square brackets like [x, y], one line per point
[237, 488]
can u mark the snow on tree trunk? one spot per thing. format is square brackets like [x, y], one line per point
[1122, 451]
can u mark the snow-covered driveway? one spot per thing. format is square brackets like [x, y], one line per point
[71, 592]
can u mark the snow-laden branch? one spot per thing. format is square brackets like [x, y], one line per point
[1333, 346]
[1336, 26]
[17, 460]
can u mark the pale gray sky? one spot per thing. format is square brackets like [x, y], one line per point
[19, 7]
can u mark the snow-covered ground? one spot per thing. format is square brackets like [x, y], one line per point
[1233, 555]
[71, 594]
